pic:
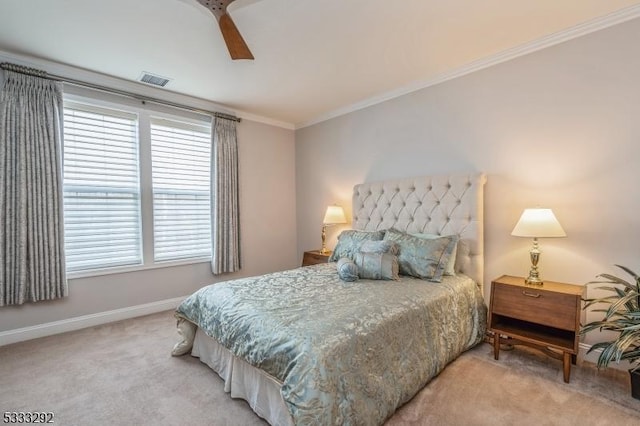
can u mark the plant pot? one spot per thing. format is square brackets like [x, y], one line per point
[635, 383]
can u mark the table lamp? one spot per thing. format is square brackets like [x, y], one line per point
[333, 216]
[537, 223]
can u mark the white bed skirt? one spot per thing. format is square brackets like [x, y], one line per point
[242, 380]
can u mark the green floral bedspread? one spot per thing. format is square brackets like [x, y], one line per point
[346, 352]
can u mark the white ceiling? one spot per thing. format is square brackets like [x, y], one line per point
[313, 58]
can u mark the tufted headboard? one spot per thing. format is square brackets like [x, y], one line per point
[441, 205]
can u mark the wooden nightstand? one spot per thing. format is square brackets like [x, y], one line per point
[544, 317]
[314, 257]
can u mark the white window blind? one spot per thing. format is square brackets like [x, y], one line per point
[180, 155]
[101, 188]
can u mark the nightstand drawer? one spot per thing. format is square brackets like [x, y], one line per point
[535, 305]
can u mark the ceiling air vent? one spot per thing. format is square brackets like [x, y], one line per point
[154, 80]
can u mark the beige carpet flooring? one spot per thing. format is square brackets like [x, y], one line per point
[122, 373]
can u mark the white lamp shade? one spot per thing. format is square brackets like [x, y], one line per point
[539, 223]
[334, 214]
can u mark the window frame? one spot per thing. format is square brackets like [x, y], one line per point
[132, 121]
[144, 112]
[186, 125]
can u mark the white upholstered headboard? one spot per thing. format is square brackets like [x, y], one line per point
[441, 205]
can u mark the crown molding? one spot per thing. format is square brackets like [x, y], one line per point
[588, 27]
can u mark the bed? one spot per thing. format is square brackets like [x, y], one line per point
[305, 347]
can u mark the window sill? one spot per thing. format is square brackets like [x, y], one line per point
[136, 268]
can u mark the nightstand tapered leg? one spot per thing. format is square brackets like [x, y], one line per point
[566, 366]
[496, 346]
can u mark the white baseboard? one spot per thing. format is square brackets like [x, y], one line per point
[84, 321]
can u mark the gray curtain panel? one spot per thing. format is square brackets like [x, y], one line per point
[225, 210]
[32, 266]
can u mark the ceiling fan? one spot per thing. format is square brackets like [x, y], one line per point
[238, 49]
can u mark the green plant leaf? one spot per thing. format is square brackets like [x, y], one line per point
[622, 316]
[629, 271]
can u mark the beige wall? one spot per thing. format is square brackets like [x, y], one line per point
[557, 128]
[268, 233]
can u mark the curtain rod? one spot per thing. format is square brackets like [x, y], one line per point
[39, 73]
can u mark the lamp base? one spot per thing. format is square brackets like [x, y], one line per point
[534, 277]
[533, 281]
[323, 250]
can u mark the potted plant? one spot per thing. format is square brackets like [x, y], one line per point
[621, 308]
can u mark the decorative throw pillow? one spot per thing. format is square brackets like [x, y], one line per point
[349, 243]
[450, 269]
[383, 246]
[377, 266]
[421, 257]
[347, 269]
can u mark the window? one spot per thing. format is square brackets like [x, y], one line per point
[180, 154]
[101, 188]
[136, 187]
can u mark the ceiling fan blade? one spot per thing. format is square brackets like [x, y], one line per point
[238, 49]
[236, 45]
